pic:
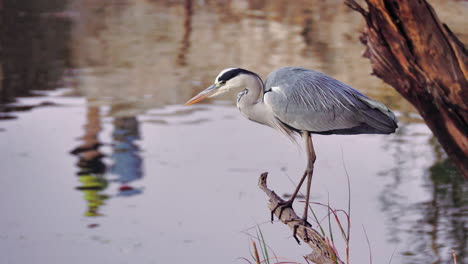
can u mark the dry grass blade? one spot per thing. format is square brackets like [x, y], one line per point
[257, 257]
[368, 244]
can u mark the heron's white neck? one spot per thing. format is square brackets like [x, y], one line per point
[250, 100]
[253, 90]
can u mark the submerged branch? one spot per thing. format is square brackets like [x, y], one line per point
[322, 251]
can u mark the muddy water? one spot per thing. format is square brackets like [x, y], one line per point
[101, 162]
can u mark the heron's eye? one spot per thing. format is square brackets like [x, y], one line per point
[222, 83]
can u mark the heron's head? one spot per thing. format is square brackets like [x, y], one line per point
[228, 79]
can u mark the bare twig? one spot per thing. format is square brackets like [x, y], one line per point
[322, 252]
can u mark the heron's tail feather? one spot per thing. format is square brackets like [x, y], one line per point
[378, 116]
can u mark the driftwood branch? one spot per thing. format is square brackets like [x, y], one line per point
[322, 252]
[413, 51]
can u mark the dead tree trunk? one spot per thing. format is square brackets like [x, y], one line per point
[410, 49]
[322, 251]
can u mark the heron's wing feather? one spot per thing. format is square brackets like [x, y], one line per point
[312, 101]
[378, 115]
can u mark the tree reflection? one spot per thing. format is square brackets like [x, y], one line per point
[429, 227]
[446, 213]
[34, 46]
[187, 31]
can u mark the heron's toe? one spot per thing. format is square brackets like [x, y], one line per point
[281, 206]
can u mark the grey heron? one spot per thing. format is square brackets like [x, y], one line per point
[296, 100]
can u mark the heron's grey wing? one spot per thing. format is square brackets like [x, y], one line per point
[377, 114]
[312, 101]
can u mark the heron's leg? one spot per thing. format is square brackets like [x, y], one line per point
[309, 171]
[289, 202]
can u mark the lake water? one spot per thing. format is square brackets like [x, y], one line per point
[102, 163]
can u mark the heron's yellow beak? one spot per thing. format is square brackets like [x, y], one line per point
[204, 94]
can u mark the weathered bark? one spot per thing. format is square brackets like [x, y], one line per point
[410, 49]
[322, 253]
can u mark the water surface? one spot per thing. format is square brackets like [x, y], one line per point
[102, 163]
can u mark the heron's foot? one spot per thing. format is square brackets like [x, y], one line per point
[281, 206]
[303, 223]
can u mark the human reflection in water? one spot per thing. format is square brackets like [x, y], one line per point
[91, 167]
[127, 163]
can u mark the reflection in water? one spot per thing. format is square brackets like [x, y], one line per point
[34, 51]
[91, 167]
[443, 218]
[7, 110]
[136, 52]
[446, 213]
[429, 228]
[126, 161]
[127, 164]
[185, 41]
